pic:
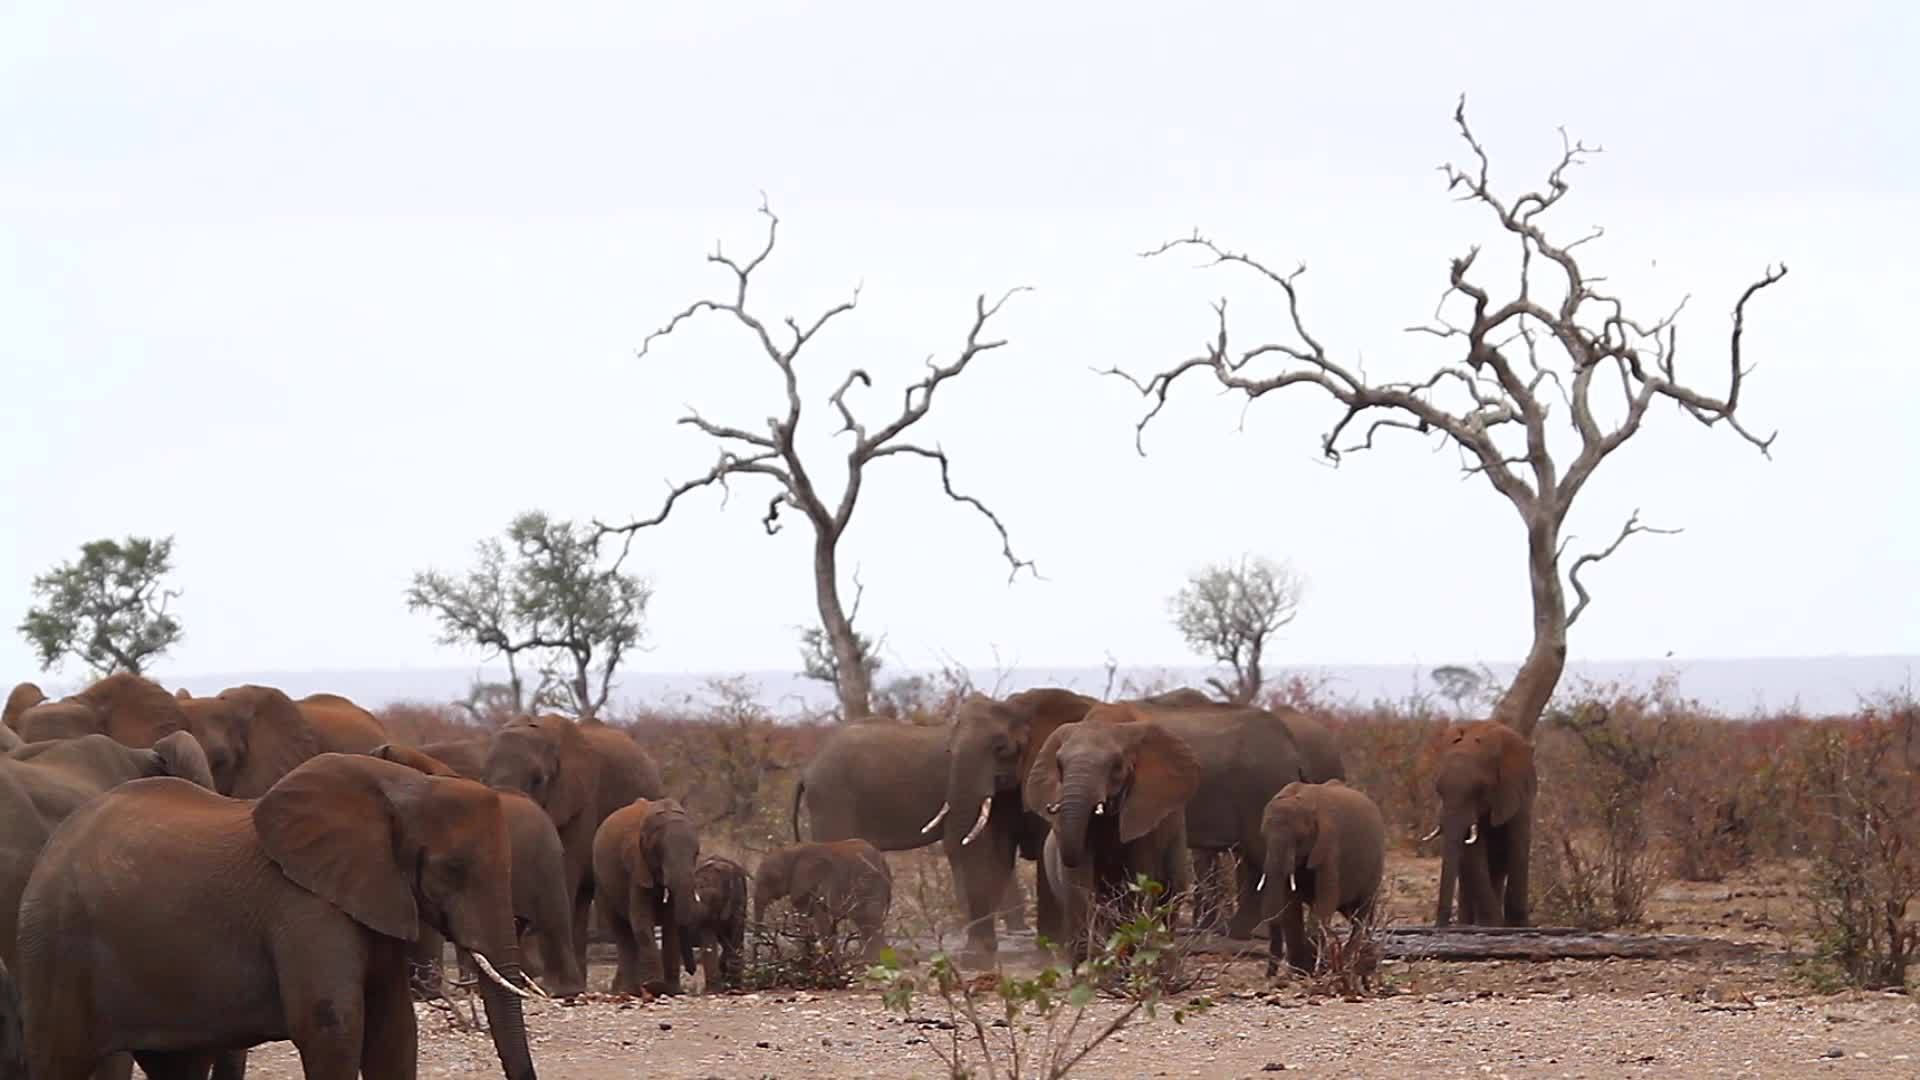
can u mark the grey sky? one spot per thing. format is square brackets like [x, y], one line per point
[330, 294]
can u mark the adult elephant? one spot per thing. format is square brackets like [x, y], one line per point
[342, 725]
[466, 757]
[176, 923]
[254, 735]
[579, 773]
[1485, 777]
[43, 783]
[1115, 787]
[541, 906]
[886, 782]
[126, 707]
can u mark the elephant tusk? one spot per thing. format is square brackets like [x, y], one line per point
[1431, 835]
[1260, 886]
[937, 818]
[696, 896]
[986, 808]
[1473, 832]
[1291, 884]
[490, 972]
[1053, 808]
[1100, 807]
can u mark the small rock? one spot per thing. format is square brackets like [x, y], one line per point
[664, 1026]
[1836, 1052]
[1273, 1066]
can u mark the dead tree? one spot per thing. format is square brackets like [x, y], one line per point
[773, 454]
[1492, 402]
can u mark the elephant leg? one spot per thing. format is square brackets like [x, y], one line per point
[1301, 954]
[983, 871]
[1477, 903]
[231, 1065]
[582, 918]
[1052, 921]
[649, 970]
[1207, 890]
[1013, 905]
[428, 962]
[391, 1046]
[1246, 911]
[670, 954]
[733, 957]
[1519, 852]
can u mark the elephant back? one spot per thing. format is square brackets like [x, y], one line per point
[340, 725]
[1246, 756]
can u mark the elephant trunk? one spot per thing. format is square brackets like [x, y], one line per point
[685, 913]
[1458, 857]
[1276, 878]
[506, 1019]
[1081, 792]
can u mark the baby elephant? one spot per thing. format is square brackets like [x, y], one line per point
[827, 881]
[720, 921]
[643, 878]
[1326, 847]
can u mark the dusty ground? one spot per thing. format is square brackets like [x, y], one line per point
[1736, 1010]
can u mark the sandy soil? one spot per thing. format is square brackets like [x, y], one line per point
[1737, 1011]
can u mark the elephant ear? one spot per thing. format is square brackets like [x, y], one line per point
[275, 738]
[574, 787]
[181, 755]
[1514, 778]
[1046, 710]
[332, 826]
[1324, 861]
[1165, 776]
[23, 697]
[1042, 788]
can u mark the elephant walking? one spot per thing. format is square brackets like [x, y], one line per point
[644, 856]
[1485, 777]
[177, 924]
[1326, 848]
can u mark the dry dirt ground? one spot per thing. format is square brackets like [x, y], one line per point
[1733, 1010]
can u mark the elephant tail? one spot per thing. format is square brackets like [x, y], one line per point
[799, 790]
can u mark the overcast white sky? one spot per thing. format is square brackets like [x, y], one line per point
[331, 293]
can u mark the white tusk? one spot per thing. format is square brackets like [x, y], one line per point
[1100, 807]
[1473, 832]
[937, 818]
[986, 808]
[696, 896]
[1291, 884]
[1431, 835]
[488, 970]
[1053, 808]
[666, 895]
[1261, 884]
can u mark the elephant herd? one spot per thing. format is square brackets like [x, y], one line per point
[1095, 793]
[182, 878]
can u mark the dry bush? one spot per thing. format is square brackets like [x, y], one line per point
[1863, 780]
[416, 722]
[925, 906]
[1386, 751]
[1347, 960]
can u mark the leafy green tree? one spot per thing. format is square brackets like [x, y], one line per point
[547, 600]
[108, 610]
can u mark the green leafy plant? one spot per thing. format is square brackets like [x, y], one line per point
[1039, 1026]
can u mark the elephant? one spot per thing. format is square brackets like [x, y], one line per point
[43, 783]
[342, 725]
[720, 921]
[253, 735]
[1114, 788]
[131, 709]
[466, 757]
[1484, 774]
[176, 923]
[1246, 756]
[827, 881]
[579, 773]
[644, 856]
[23, 697]
[1326, 847]
[540, 902]
[886, 783]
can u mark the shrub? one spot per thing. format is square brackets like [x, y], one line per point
[1864, 782]
[1033, 1027]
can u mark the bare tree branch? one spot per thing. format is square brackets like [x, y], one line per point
[775, 454]
[1573, 573]
[1487, 397]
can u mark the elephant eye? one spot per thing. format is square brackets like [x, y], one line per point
[1002, 746]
